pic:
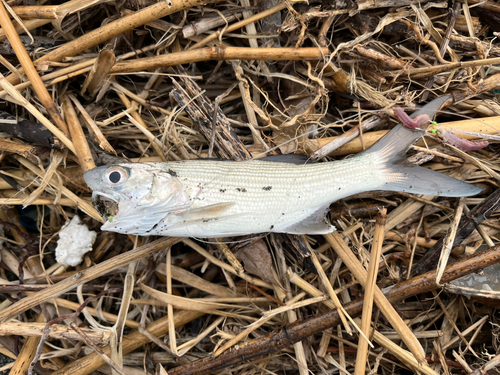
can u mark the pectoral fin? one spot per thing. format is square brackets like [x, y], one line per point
[213, 211]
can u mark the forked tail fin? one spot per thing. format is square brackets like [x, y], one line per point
[401, 175]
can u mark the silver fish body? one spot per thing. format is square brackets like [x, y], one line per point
[207, 198]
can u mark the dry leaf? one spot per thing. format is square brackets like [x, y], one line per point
[257, 260]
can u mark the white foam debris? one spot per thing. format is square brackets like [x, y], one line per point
[75, 239]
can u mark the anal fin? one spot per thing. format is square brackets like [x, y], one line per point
[314, 223]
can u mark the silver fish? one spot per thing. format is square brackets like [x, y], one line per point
[208, 198]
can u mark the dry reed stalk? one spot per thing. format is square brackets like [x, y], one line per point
[28, 152]
[340, 247]
[117, 27]
[30, 70]
[84, 276]
[48, 12]
[103, 142]
[228, 268]
[329, 289]
[371, 282]
[83, 205]
[27, 352]
[170, 308]
[108, 316]
[239, 25]
[196, 304]
[57, 331]
[99, 72]
[218, 53]
[28, 25]
[141, 125]
[488, 126]
[67, 202]
[188, 278]
[77, 136]
[450, 238]
[17, 98]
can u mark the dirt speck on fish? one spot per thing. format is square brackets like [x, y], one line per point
[209, 198]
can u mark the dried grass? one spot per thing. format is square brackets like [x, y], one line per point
[321, 79]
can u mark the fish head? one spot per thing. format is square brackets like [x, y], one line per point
[132, 198]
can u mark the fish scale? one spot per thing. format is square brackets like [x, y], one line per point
[296, 191]
[209, 198]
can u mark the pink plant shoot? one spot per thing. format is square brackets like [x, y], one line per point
[409, 122]
[461, 143]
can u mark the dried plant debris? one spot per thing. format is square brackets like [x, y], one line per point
[93, 83]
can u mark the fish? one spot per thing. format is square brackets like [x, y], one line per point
[218, 198]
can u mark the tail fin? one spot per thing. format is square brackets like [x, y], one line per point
[401, 175]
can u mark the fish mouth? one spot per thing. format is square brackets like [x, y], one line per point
[105, 204]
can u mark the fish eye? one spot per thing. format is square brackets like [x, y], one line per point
[116, 175]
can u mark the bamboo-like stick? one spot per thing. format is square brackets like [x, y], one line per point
[378, 240]
[82, 147]
[56, 331]
[358, 271]
[29, 68]
[48, 12]
[219, 53]
[117, 27]
[487, 125]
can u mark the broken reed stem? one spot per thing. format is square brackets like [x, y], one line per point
[240, 336]
[338, 244]
[240, 24]
[86, 275]
[57, 331]
[329, 288]
[450, 238]
[371, 282]
[103, 142]
[141, 125]
[77, 136]
[28, 351]
[301, 329]
[83, 205]
[18, 99]
[230, 257]
[170, 308]
[29, 68]
[220, 54]
[115, 28]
